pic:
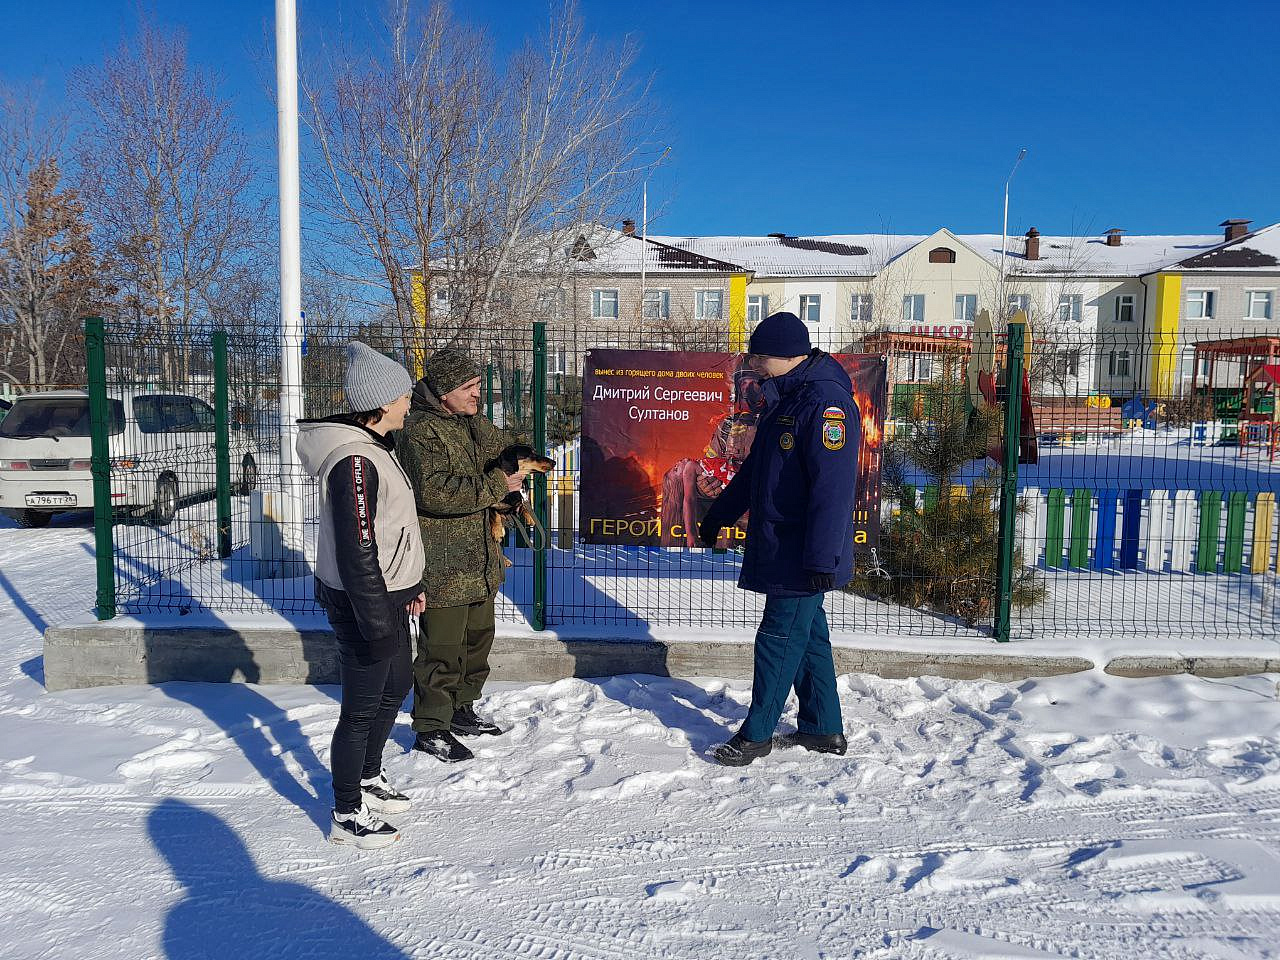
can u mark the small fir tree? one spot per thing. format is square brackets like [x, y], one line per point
[942, 556]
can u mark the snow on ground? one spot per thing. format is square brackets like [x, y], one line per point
[1083, 816]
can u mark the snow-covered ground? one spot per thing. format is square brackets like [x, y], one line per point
[1083, 816]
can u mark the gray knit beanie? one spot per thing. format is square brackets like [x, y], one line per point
[448, 369]
[373, 380]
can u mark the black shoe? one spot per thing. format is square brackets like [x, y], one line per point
[442, 745]
[465, 723]
[381, 797]
[817, 742]
[739, 751]
[363, 829]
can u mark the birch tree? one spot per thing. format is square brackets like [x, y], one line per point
[457, 187]
[168, 177]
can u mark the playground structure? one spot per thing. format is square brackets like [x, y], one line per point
[1246, 403]
[915, 359]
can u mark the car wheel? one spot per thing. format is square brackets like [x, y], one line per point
[165, 506]
[248, 476]
[32, 519]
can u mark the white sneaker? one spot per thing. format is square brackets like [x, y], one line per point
[362, 829]
[380, 796]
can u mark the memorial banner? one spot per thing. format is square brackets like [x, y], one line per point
[663, 432]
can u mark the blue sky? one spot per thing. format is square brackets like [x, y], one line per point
[831, 117]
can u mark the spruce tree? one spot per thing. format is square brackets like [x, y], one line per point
[941, 556]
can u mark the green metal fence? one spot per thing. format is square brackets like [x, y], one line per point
[1144, 514]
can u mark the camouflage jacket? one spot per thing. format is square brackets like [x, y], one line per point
[444, 455]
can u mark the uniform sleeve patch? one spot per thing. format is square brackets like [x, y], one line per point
[833, 434]
[833, 413]
[363, 523]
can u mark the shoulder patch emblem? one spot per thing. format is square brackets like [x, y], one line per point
[833, 413]
[786, 441]
[833, 434]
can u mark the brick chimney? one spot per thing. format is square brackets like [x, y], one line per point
[1033, 244]
[629, 227]
[1113, 236]
[1235, 229]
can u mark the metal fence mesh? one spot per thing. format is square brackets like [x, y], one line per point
[1151, 508]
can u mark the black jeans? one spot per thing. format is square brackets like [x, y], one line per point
[373, 689]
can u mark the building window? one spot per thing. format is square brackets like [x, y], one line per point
[1071, 307]
[1124, 308]
[860, 310]
[1066, 363]
[1118, 363]
[557, 361]
[913, 308]
[921, 368]
[708, 305]
[604, 304]
[551, 304]
[942, 255]
[966, 307]
[810, 307]
[657, 304]
[757, 307]
[1019, 301]
[1258, 305]
[1201, 304]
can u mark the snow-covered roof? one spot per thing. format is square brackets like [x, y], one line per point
[855, 255]
[603, 250]
[836, 255]
[1259, 250]
[1091, 256]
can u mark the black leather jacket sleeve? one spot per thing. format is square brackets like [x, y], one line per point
[353, 503]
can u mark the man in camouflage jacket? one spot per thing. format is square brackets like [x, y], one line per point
[444, 448]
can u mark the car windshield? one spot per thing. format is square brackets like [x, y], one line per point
[55, 417]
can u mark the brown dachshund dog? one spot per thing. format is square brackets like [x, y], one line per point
[516, 459]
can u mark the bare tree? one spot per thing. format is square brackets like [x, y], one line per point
[458, 181]
[48, 272]
[168, 177]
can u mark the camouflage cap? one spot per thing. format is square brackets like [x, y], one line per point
[448, 369]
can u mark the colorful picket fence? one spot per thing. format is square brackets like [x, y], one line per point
[1159, 531]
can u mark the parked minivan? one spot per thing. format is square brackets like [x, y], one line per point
[161, 444]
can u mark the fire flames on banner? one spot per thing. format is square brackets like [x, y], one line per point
[663, 432]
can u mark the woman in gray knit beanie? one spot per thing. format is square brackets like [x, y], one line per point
[369, 559]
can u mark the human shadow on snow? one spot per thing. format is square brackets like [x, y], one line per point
[229, 909]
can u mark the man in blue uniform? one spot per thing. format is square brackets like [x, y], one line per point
[798, 483]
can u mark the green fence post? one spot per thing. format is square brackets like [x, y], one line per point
[222, 442]
[95, 343]
[516, 404]
[1009, 483]
[1081, 515]
[1056, 525]
[539, 390]
[1210, 520]
[1237, 505]
[488, 391]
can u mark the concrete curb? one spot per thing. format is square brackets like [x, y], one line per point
[91, 655]
[1154, 666]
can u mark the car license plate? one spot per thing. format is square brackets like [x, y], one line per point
[51, 500]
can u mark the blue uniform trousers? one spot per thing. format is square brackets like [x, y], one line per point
[793, 648]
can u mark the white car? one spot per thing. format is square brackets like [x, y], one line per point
[161, 444]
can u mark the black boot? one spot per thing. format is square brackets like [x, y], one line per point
[739, 751]
[442, 745]
[466, 724]
[816, 742]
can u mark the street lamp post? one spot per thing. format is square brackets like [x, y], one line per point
[1004, 232]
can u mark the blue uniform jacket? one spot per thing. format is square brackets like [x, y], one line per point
[798, 482]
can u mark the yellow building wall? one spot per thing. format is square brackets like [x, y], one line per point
[1164, 348]
[738, 313]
